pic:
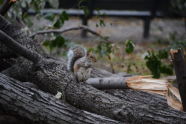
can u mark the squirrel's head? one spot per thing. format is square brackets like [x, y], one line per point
[91, 56]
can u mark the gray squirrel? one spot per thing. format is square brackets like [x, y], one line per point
[80, 62]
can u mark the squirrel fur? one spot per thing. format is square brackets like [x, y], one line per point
[80, 62]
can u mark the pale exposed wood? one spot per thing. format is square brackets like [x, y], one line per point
[173, 98]
[144, 83]
[147, 84]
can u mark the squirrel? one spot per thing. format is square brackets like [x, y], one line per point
[80, 62]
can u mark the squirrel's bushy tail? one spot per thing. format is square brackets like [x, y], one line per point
[73, 54]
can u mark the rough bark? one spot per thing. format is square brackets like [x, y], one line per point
[19, 33]
[39, 107]
[180, 70]
[158, 110]
[135, 108]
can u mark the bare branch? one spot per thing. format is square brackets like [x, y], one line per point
[60, 31]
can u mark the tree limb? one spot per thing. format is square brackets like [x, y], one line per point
[21, 50]
[60, 31]
[37, 106]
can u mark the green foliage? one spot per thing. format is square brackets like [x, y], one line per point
[101, 23]
[177, 44]
[104, 48]
[50, 17]
[163, 54]
[1, 1]
[60, 19]
[57, 24]
[63, 17]
[154, 61]
[85, 10]
[58, 42]
[129, 46]
[166, 69]
[21, 7]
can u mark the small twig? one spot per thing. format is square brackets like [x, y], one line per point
[18, 48]
[69, 29]
[6, 6]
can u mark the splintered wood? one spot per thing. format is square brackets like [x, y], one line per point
[173, 98]
[142, 83]
[158, 86]
[147, 84]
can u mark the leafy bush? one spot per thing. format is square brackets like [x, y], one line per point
[154, 61]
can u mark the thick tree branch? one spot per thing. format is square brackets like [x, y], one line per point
[37, 106]
[60, 31]
[21, 50]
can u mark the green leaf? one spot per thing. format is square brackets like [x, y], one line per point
[153, 63]
[46, 43]
[129, 46]
[163, 54]
[50, 17]
[63, 17]
[1, 1]
[57, 24]
[85, 10]
[101, 23]
[166, 69]
[59, 42]
[104, 48]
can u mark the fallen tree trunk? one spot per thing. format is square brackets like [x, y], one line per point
[52, 76]
[157, 105]
[39, 107]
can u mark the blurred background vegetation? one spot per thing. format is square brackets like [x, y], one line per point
[144, 57]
